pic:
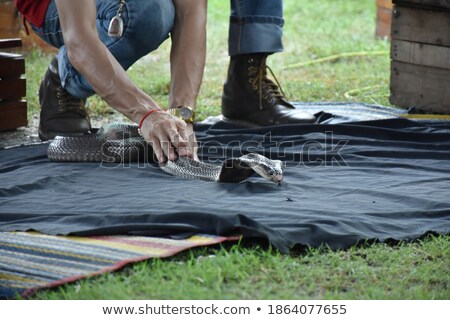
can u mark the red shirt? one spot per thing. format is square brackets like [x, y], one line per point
[33, 10]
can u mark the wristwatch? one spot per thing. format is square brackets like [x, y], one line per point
[184, 113]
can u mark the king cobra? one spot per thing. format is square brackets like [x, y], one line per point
[119, 142]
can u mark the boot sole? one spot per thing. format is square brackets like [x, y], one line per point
[241, 123]
[49, 135]
[226, 102]
[248, 124]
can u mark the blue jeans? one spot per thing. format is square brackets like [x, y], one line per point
[147, 24]
[255, 26]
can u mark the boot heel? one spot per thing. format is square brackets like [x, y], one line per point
[230, 108]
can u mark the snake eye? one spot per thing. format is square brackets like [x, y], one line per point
[271, 172]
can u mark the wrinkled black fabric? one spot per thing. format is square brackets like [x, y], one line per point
[379, 180]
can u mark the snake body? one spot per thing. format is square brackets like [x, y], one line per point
[122, 143]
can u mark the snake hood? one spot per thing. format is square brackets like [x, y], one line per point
[272, 170]
[230, 170]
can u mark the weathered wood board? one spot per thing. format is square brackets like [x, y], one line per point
[12, 89]
[438, 4]
[384, 18]
[13, 110]
[420, 53]
[418, 25]
[12, 68]
[13, 114]
[423, 87]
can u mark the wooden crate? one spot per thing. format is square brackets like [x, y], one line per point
[420, 53]
[13, 110]
[384, 18]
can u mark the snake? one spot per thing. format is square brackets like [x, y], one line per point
[122, 143]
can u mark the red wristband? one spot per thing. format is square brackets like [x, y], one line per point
[146, 115]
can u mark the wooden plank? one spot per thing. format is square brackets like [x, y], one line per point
[436, 4]
[384, 4]
[13, 115]
[12, 68]
[8, 20]
[12, 89]
[422, 87]
[7, 55]
[425, 26]
[421, 54]
[10, 43]
[384, 21]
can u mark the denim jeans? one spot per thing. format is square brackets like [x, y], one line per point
[255, 26]
[147, 24]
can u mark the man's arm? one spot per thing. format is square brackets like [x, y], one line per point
[92, 59]
[188, 57]
[188, 52]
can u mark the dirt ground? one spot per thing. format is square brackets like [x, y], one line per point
[29, 134]
[23, 135]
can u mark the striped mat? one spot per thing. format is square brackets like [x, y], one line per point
[30, 261]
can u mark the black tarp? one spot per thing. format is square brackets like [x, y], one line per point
[379, 180]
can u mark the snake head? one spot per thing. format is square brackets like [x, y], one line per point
[272, 170]
[276, 173]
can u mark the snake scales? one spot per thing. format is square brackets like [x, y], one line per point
[122, 143]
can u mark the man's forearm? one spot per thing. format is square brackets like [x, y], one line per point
[92, 59]
[188, 52]
[110, 81]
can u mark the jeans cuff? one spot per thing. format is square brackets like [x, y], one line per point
[255, 37]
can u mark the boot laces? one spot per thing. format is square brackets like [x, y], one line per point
[67, 102]
[267, 89]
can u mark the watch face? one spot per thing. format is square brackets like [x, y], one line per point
[186, 113]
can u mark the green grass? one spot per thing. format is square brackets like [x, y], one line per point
[406, 271]
[313, 30]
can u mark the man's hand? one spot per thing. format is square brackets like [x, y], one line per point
[167, 136]
[192, 141]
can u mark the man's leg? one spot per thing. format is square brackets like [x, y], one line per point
[61, 113]
[256, 28]
[64, 90]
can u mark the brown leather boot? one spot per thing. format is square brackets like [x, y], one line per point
[61, 113]
[251, 99]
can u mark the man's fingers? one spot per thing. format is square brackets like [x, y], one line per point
[191, 140]
[179, 143]
[176, 139]
[195, 157]
[158, 151]
[182, 151]
[168, 149]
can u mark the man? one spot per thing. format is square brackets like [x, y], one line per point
[93, 59]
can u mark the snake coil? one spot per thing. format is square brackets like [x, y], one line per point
[119, 142]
